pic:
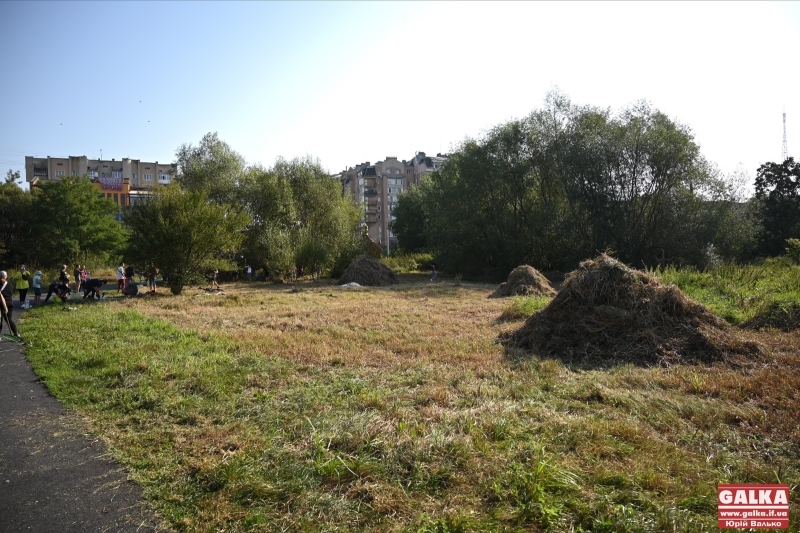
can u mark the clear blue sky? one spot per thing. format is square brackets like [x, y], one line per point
[358, 81]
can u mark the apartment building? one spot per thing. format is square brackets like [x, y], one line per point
[124, 181]
[376, 188]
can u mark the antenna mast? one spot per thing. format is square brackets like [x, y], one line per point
[785, 154]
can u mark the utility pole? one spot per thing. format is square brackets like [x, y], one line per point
[785, 154]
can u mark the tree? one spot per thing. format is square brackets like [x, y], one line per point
[16, 212]
[13, 177]
[566, 183]
[778, 197]
[212, 166]
[299, 217]
[72, 222]
[184, 234]
[411, 219]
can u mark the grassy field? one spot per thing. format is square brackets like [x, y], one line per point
[310, 407]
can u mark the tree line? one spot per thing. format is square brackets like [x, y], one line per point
[220, 214]
[570, 181]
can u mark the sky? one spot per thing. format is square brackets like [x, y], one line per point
[350, 82]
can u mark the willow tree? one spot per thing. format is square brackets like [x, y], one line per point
[184, 233]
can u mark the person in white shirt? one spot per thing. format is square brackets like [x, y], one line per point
[120, 277]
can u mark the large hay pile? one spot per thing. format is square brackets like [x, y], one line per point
[524, 281]
[365, 270]
[608, 313]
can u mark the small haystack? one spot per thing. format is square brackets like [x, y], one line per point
[524, 281]
[608, 313]
[781, 315]
[365, 270]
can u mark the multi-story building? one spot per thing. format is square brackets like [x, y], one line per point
[123, 181]
[376, 188]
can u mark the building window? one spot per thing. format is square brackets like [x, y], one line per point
[59, 173]
[116, 174]
[74, 173]
[116, 198]
[92, 173]
[164, 178]
[148, 177]
[135, 176]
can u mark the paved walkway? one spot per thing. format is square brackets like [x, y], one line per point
[54, 476]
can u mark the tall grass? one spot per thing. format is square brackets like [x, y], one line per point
[738, 292]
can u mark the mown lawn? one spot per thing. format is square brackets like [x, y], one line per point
[310, 407]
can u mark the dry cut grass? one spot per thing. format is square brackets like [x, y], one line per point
[312, 407]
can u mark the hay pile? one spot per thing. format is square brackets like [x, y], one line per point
[365, 270]
[783, 315]
[524, 281]
[607, 313]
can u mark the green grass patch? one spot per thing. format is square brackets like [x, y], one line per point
[521, 307]
[738, 292]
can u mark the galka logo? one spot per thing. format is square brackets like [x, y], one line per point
[753, 506]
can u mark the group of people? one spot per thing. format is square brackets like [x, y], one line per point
[126, 284]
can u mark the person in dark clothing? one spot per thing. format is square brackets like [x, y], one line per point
[131, 288]
[7, 304]
[63, 277]
[92, 287]
[59, 289]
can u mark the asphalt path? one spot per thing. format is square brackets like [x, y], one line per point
[55, 476]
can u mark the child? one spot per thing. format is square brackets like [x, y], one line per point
[37, 287]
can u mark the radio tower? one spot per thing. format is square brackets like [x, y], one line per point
[785, 150]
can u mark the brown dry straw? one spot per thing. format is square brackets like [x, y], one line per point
[365, 270]
[524, 281]
[608, 313]
[784, 316]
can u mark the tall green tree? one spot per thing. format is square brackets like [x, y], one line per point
[72, 222]
[568, 182]
[16, 231]
[411, 219]
[778, 197]
[299, 216]
[184, 233]
[211, 166]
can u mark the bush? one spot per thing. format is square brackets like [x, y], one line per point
[793, 249]
[405, 263]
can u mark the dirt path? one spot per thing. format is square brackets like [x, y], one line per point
[54, 476]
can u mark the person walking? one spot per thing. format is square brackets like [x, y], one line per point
[7, 305]
[214, 284]
[249, 272]
[433, 274]
[37, 287]
[21, 284]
